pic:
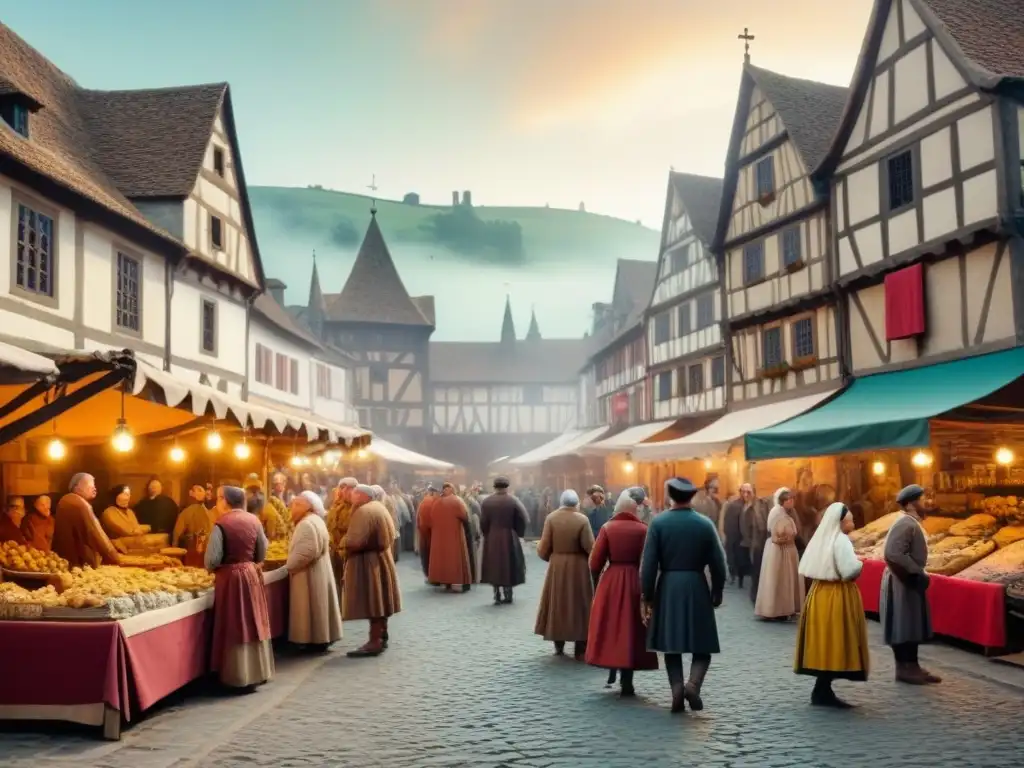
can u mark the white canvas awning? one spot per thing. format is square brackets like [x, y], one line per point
[718, 437]
[23, 360]
[565, 444]
[382, 449]
[628, 439]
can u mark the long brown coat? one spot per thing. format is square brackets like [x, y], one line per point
[564, 611]
[449, 550]
[78, 536]
[503, 523]
[371, 582]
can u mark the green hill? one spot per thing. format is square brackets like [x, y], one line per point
[481, 234]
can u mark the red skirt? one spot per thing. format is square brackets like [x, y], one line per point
[240, 613]
[617, 637]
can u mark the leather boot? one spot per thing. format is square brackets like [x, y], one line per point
[612, 675]
[927, 676]
[384, 637]
[375, 645]
[559, 648]
[498, 600]
[579, 650]
[909, 673]
[691, 690]
[508, 595]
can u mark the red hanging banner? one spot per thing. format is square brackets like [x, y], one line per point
[904, 303]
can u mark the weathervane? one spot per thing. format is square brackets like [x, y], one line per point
[746, 37]
[372, 186]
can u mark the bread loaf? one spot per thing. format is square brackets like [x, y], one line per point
[1001, 566]
[1008, 535]
[975, 526]
[953, 562]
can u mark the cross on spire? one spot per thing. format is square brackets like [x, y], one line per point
[372, 186]
[746, 37]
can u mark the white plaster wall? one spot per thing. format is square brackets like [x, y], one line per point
[186, 326]
[266, 334]
[911, 73]
[936, 158]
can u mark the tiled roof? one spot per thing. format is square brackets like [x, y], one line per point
[701, 196]
[810, 110]
[539, 361]
[374, 292]
[990, 33]
[425, 304]
[634, 281]
[152, 142]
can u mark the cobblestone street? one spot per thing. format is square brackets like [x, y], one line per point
[468, 684]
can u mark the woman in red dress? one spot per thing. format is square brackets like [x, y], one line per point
[617, 639]
[241, 652]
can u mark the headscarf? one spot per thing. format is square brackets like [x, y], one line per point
[315, 502]
[626, 502]
[378, 493]
[779, 493]
[365, 489]
[569, 498]
[819, 560]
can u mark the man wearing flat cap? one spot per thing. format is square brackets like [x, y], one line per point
[903, 605]
[503, 523]
[678, 602]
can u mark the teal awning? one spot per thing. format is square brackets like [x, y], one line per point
[887, 410]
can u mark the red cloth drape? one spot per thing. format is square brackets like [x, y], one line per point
[904, 303]
[974, 611]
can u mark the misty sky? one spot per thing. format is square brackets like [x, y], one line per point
[525, 102]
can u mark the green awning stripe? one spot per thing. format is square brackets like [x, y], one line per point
[887, 410]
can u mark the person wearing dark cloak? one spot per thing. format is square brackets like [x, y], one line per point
[903, 604]
[678, 603]
[503, 524]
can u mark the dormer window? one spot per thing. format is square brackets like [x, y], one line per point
[16, 116]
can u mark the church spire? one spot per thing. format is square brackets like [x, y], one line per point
[508, 327]
[533, 334]
[317, 307]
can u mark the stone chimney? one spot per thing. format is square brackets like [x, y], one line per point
[276, 290]
[467, 199]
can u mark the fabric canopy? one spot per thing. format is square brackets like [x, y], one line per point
[23, 360]
[718, 437]
[382, 449]
[565, 444]
[628, 439]
[887, 410]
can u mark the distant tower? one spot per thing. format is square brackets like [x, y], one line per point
[508, 327]
[583, 208]
[467, 199]
[533, 334]
[317, 310]
[455, 198]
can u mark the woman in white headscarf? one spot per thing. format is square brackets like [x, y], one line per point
[564, 611]
[780, 591]
[832, 643]
[314, 612]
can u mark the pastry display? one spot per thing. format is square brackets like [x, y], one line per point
[1004, 508]
[150, 562]
[873, 532]
[1000, 567]
[976, 526]
[934, 525]
[1006, 536]
[951, 560]
[277, 550]
[19, 557]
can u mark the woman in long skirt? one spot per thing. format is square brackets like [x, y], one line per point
[832, 643]
[780, 593]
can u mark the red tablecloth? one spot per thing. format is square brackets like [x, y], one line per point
[968, 610]
[128, 667]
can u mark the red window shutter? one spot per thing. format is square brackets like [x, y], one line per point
[904, 303]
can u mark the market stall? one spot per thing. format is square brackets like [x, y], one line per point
[107, 672]
[955, 429]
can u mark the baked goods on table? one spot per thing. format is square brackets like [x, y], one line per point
[951, 560]
[1000, 567]
[873, 532]
[26, 559]
[1008, 535]
[934, 525]
[976, 526]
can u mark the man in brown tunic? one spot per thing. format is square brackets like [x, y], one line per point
[503, 523]
[371, 582]
[77, 534]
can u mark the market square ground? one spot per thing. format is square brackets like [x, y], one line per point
[468, 684]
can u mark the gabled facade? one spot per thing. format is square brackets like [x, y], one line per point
[618, 365]
[684, 342]
[95, 192]
[926, 177]
[387, 332]
[772, 239]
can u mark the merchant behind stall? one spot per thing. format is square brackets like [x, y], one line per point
[157, 510]
[192, 528]
[77, 534]
[241, 651]
[38, 525]
[118, 519]
[10, 521]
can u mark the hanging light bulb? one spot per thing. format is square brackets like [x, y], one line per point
[177, 454]
[296, 461]
[878, 468]
[242, 451]
[921, 460]
[361, 454]
[628, 467]
[707, 463]
[214, 441]
[122, 439]
[56, 450]
[1004, 456]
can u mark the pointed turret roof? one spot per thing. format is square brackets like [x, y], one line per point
[533, 334]
[508, 327]
[316, 294]
[374, 292]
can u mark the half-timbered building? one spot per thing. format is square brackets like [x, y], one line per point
[494, 399]
[128, 219]
[387, 332]
[772, 239]
[684, 340]
[926, 177]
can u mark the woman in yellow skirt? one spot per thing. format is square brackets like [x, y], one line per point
[832, 643]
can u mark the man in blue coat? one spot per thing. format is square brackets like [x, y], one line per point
[678, 603]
